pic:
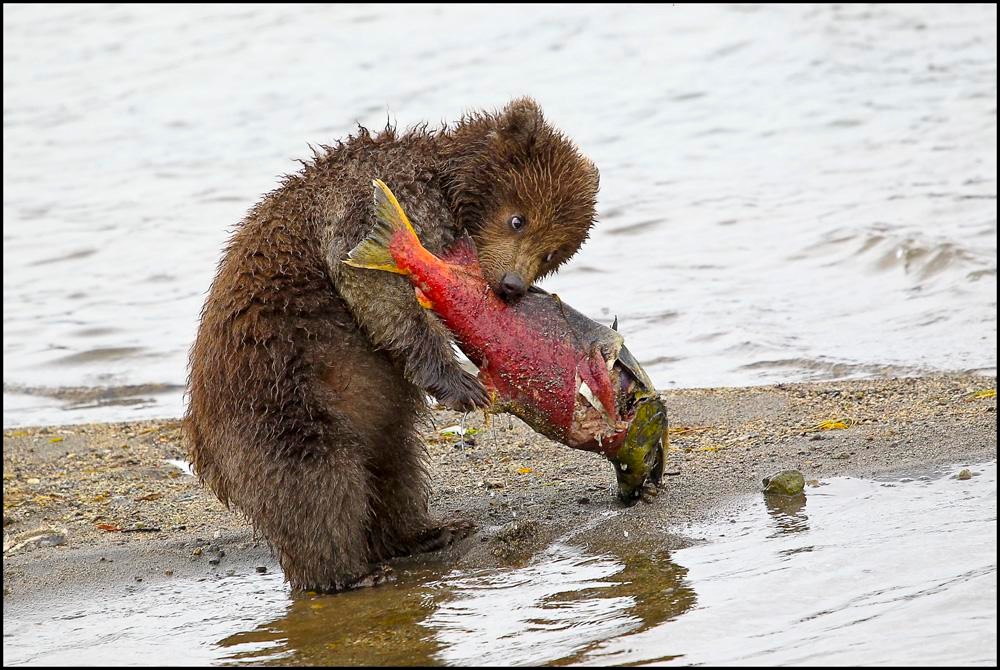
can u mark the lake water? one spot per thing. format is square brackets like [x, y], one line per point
[900, 571]
[788, 193]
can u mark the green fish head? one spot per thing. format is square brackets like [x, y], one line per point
[643, 453]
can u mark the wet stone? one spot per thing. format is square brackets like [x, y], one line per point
[786, 483]
[964, 474]
[261, 569]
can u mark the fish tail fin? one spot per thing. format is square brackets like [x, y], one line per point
[390, 220]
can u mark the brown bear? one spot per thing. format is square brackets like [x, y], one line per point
[308, 377]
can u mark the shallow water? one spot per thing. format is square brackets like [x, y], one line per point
[900, 571]
[788, 192]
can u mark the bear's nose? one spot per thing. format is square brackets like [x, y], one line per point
[512, 287]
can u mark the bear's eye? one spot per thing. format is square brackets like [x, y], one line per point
[516, 222]
[549, 256]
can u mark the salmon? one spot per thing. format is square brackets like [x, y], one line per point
[567, 376]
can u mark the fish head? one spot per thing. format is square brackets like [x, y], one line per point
[642, 455]
[633, 436]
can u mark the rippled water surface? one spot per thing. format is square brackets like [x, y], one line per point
[900, 571]
[788, 193]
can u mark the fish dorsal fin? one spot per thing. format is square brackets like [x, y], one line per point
[463, 252]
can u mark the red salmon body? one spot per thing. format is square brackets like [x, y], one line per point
[528, 357]
[568, 377]
[522, 356]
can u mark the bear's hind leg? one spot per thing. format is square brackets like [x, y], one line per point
[400, 522]
[314, 511]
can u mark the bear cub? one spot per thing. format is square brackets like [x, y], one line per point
[308, 377]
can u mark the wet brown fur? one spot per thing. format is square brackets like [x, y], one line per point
[308, 377]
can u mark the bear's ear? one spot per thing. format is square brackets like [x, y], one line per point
[519, 124]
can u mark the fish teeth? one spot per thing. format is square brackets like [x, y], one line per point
[588, 394]
[590, 397]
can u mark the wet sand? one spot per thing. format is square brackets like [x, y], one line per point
[92, 504]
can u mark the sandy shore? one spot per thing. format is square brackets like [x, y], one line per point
[88, 503]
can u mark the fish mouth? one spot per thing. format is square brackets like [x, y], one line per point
[636, 440]
[642, 454]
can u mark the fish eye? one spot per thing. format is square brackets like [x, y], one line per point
[516, 222]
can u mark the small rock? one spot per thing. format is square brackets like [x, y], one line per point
[261, 569]
[583, 500]
[672, 473]
[494, 484]
[516, 531]
[168, 573]
[34, 480]
[197, 551]
[230, 573]
[138, 579]
[217, 534]
[966, 473]
[786, 483]
[214, 561]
